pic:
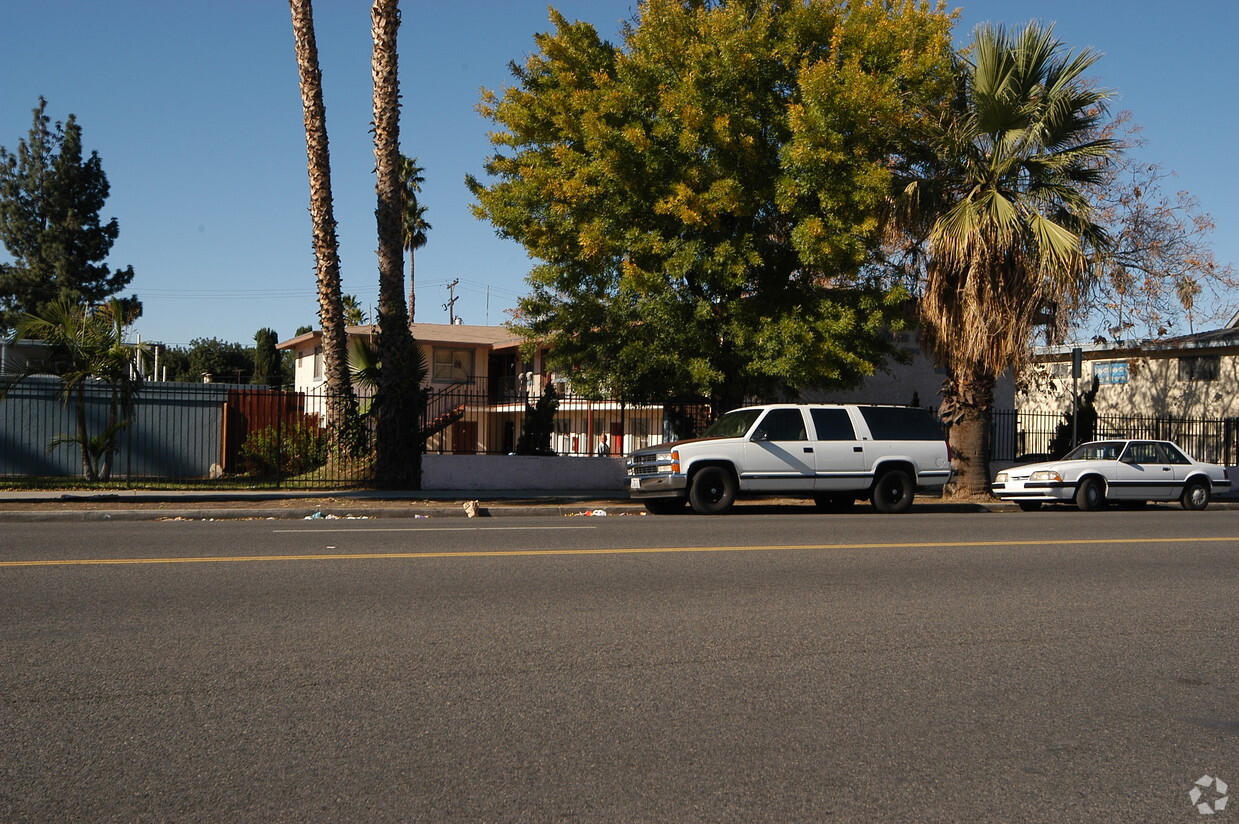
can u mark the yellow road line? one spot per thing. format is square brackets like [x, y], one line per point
[524, 553]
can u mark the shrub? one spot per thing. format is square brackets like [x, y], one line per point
[283, 451]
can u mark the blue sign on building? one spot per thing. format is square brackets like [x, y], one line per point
[1111, 372]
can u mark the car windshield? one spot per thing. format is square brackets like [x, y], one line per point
[1099, 451]
[733, 424]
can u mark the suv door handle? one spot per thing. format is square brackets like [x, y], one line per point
[858, 449]
[808, 449]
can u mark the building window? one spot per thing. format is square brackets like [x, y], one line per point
[453, 365]
[1110, 372]
[1199, 368]
[318, 363]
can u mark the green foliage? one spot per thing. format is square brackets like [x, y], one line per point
[703, 198]
[1004, 198]
[50, 200]
[1085, 426]
[1001, 201]
[413, 225]
[224, 361]
[363, 363]
[267, 359]
[354, 315]
[284, 451]
[539, 424]
[86, 347]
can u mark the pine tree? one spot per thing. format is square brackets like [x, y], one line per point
[50, 200]
[266, 359]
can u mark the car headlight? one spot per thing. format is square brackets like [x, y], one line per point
[1000, 478]
[670, 460]
[1046, 475]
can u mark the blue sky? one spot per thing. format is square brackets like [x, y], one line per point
[195, 111]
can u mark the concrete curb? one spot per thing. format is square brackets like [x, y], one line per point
[301, 514]
[366, 509]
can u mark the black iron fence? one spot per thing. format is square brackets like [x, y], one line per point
[235, 435]
[1019, 436]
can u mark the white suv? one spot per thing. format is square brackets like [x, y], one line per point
[834, 453]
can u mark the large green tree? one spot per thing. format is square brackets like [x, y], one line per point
[51, 196]
[220, 361]
[703, 198]
[1003, 204]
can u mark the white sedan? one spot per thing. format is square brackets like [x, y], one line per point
[1130, 472]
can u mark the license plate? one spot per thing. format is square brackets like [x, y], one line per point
[635, 483]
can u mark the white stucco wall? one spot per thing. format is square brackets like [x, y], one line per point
[1155, 386]
[522, 472]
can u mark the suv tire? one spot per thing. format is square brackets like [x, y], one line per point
[893, 492]
[713, 491]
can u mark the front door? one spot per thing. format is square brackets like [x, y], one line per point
[839, 457]
[779, 458]
[1143, 474]
[465, 437]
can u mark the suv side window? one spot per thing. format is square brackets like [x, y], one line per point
[783, 425]
[833, 425]
[900, 423]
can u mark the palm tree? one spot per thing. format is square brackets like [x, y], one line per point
[354, 315]
[341, 402]
[87, 349]
[1003, 207]
[398, 449]
[415, 226]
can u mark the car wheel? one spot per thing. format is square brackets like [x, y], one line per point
[664, 506]
[1089, 495]
[893, 492]
[1195, 496]
[833, 503]
[1029, 506]
[713, 491]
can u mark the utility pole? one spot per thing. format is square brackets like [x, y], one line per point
[450, 306]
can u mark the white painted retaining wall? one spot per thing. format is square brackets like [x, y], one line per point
[522, 472]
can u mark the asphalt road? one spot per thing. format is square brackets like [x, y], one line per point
[1051, 666]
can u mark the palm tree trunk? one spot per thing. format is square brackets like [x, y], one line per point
[397, 456]
[967, 402]
[341, 403]
[413, 286]
[109, 443]
[83, 434]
